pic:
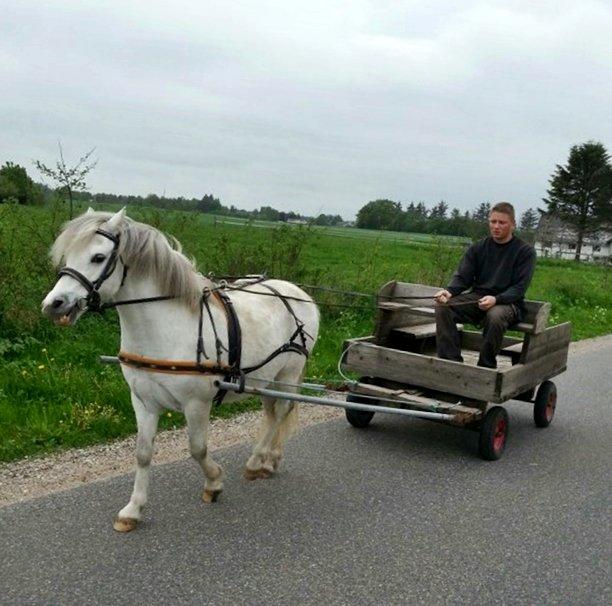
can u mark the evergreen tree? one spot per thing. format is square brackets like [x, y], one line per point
[481, 214]
[528, 224]
[580, 192]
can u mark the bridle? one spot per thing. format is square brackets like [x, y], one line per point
[93, 301]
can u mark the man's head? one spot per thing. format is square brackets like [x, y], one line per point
[501, 222]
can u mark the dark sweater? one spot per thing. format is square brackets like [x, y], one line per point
[501, 270]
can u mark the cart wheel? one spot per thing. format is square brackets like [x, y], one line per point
[545, 404]
[358, 418]
[493, 434]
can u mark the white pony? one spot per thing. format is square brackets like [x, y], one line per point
[110, 257]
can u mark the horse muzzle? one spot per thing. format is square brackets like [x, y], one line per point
[62, 312]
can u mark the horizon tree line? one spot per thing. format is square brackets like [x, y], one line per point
[580, 195]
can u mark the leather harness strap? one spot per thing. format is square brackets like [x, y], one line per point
[172, 366]
[232, 369]
[234, 341]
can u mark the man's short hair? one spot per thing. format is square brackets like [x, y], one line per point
[503, 207]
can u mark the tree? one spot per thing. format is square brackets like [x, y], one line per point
[482, 212]
[529, 223]
[209, 204]
[267, 213]
[380, 214]
[69, 179]
[580, 192]
[439, 210]
[15, 184]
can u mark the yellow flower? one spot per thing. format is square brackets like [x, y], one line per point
[44, 350]
[41, 367]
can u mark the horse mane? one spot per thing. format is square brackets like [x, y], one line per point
[146, 251]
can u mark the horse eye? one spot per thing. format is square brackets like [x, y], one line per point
[98, 258]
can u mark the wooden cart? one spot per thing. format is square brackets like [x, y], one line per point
[399, 368]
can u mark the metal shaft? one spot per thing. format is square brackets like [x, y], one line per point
[331, 402]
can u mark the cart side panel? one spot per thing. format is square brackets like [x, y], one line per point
[471, 382]
[537, 313]
[549, 360]
[549, 341]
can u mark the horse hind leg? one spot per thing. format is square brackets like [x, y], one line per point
[279, 422]
[197, 417]
[129, 516]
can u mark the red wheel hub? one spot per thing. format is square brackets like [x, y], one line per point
[499, 436]
[551, 404]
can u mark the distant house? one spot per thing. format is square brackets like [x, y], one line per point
[558, 240]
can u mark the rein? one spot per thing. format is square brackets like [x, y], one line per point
[203, 365]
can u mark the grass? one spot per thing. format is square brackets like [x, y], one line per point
[53, 392]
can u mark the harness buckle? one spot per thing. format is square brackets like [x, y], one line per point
[94, 302]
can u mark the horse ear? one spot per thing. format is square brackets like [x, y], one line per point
[117, 219]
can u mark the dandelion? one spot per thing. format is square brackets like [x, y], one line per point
[41, 367]
[44, 350]
[168, 414]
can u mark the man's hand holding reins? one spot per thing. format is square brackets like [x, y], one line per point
[487, 302]
[442, 296]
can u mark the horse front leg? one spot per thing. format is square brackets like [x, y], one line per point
[197, 415]
[129, 516]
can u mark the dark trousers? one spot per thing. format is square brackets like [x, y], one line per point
[495, 322]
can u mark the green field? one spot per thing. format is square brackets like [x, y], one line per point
[341, 232]
[54, 393]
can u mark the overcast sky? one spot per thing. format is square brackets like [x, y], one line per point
[314, 106]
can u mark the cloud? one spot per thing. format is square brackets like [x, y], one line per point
[300, 106]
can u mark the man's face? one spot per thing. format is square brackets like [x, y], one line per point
[501, 227]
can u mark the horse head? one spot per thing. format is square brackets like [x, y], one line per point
[88, 253]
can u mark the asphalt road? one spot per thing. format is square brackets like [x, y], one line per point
[402, 513]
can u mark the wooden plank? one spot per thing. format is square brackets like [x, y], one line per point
[523, 327]
[523, 377]
[428, 312]
[405, 290]
[463, 414]
[537, 314]
[389, 318]
[473, 340]
[387, 290]
[471, 357]
[425, 371]
[420, 331]
[546, 342]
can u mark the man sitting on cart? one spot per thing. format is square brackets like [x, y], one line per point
[495, 272]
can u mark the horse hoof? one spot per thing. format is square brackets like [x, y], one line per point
[124, 524]
[257, 474]
[210, 496]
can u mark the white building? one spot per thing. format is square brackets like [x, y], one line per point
[558, 240]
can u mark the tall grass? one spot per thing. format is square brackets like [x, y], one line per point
[55, 394]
